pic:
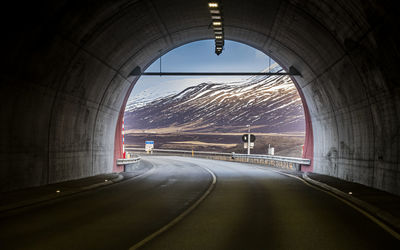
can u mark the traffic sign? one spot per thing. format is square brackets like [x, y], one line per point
[251, 145]
[149, 146]
[252, 138]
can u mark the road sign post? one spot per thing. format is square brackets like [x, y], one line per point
[246, 144]
[249, 140]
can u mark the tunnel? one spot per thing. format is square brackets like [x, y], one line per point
[67, 68]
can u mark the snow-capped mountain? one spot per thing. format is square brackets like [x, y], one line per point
[269, 104]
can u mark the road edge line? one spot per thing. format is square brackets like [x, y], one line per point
[182, 215]
[381, 215]
[358, 207]
[50, 198]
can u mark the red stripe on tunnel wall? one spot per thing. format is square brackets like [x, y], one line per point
[308, 151]
[308, 147]
[118, 142]
[118, 152]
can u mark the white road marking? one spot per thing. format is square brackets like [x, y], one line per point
[360, 210]
[181, 216]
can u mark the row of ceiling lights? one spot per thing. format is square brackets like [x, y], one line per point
[218, 25]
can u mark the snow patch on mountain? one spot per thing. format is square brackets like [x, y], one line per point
[271, 103]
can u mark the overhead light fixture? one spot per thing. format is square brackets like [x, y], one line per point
[217, 18]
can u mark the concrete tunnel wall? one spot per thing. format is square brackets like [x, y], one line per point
[65, 74]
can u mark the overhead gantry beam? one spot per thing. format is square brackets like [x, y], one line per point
[292, 72]
[214, 74]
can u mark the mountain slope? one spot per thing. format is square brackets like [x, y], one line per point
[269, 104]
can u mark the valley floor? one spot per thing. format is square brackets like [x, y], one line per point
[284, 144]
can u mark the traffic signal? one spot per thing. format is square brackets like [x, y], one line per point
[245, 138]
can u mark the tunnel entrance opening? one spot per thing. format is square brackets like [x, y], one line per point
[211, 113]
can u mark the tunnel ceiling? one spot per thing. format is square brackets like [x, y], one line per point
[66, 76]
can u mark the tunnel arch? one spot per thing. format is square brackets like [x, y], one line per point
[307, 144]
[67, 68]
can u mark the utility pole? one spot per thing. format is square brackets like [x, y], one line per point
[248, 140]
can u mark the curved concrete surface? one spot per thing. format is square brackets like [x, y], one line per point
[65, 73]
[249, 208]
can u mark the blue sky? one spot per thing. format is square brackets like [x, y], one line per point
[199, 57]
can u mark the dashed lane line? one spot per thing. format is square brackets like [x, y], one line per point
[182, 215]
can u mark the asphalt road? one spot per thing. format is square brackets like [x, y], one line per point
[249, 208]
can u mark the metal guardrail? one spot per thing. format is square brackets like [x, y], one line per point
[128, 161]
[301, 161]
[285, 159]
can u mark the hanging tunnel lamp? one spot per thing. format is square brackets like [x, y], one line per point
[218, 25]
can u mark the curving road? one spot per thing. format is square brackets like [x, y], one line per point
[248, 208]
